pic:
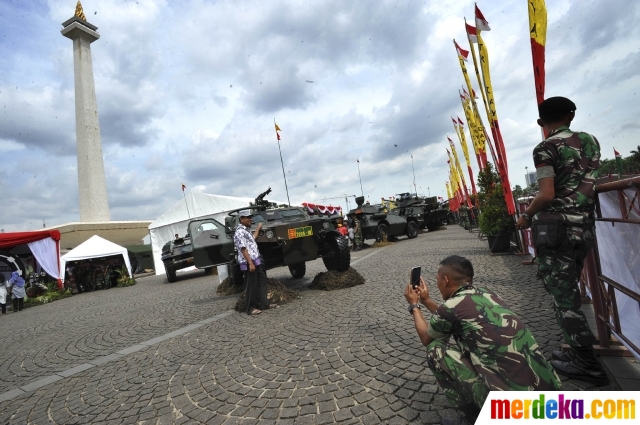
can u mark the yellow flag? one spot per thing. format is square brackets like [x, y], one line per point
[463, 143]
[486, 78]
[457, 164]
[538, 21]
[277, 128]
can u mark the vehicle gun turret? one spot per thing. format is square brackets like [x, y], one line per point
[261, 203]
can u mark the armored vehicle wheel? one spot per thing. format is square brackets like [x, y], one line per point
[237, 278]
[298, 270]
[412, 230]
[382, 233]
[339, 257]
[171, 273]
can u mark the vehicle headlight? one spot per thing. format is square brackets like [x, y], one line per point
[326, 225]
[269, 234]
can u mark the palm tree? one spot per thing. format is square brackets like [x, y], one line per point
[635, 155]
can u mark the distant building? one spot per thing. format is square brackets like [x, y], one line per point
[530, 178]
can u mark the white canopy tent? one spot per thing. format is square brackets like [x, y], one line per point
[94, 247]
[176, 219]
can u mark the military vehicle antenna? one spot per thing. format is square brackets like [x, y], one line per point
[281, 162]
[361, 191]
[414, 175]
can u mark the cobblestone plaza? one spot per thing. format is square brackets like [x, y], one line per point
[160, 353]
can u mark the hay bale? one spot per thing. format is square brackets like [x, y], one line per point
[277, 293]
[383, 242]
[226, 288]
[328, 281]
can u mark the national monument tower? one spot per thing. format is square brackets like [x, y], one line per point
[92, 188]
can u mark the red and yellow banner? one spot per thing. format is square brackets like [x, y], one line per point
[459, 128]
[499, 153]
[538, 31]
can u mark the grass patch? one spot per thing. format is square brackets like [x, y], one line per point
[47, 297]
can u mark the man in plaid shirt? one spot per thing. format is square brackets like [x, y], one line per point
[255, 277]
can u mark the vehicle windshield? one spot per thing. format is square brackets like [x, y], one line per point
[290, 215]
[257, 218]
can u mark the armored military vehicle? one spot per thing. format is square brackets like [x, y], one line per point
[425, 211]
[436, 215]
[178, 254]
[379, 224]
[289, 237]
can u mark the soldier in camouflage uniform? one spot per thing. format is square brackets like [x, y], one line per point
[562, 213]
[492, 350]
[358, 231]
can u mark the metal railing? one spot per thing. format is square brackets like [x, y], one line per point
[603, 288]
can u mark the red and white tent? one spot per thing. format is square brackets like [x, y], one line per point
[321, 209]
[44, 245]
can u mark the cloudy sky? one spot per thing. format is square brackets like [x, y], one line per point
[188, 91]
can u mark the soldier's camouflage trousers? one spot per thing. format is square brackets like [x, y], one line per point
[560, 269]
[455, 374]
[358, 239]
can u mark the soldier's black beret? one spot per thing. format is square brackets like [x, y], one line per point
[557, 106]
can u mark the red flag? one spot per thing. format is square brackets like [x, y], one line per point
[449, 140]
[461, 52]
[471, 31]
[460, 121]
[448, 153]
[454, 121]
[183, 187]
[475, 96]
[358, 160]
[278, 135]
[616, 153]
[466, 95]
[481, 23]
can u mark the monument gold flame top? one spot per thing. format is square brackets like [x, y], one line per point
[79, 12]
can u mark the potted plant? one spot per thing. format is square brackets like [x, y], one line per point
[495, 222]
[123, 278]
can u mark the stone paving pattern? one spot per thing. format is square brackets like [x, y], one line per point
[349, 356]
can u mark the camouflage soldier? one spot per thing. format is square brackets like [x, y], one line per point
[358, 231]
[564, 230]
[492, 349]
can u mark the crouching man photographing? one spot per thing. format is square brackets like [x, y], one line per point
[492, 350]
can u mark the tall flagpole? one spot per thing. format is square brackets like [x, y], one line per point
[281, 162]
[185, 200]
[414, 176]
[361, 191]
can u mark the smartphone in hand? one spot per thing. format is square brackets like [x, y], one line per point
[415, 276]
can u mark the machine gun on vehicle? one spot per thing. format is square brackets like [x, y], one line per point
[262, 204]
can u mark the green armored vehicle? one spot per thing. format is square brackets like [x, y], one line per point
[177, 254]
[379, 224]
[289, 237]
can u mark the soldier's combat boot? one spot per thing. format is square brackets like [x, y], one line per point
[563, 356]
[584, 367]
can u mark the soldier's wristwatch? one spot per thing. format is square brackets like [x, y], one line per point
[527, 216]
[412, 306]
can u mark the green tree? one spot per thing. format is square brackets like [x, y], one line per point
[517, 192]
[494, 218]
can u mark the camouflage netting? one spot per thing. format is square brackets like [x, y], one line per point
[328, 281]
[277, 293]
[226, 288]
